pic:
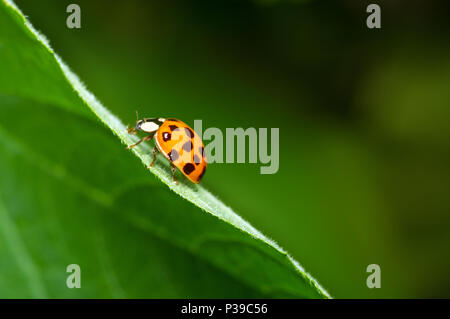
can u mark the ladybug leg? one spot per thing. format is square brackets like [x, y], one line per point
[146, 138]
[173, 174]
[155, 149]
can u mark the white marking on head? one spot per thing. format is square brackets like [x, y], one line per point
[149, 127]
[161, 119]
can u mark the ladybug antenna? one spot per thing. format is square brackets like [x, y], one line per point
[132, 129]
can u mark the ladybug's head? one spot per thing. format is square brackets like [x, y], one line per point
[147, 125]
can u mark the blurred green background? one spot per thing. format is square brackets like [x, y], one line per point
[363, 115]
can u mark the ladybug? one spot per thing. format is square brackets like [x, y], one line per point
[177, 142]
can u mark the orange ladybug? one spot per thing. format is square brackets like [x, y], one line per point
[177, 142]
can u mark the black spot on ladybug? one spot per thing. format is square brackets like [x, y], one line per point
[166, 136]
[189, 132]
[188, 146]
[173, 127]
[201, 175]
[196, 159]
[188, 168]
[201, 149]
[173, 155]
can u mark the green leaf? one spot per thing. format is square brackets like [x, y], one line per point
[71, 194]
